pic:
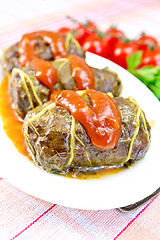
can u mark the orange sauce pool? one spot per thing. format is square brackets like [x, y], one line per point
[13, 128]
[11, 123]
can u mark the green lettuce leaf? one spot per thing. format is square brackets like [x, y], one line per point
[149, 75]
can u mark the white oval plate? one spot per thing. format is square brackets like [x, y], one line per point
[112, 191]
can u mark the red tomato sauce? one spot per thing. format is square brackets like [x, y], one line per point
[45, 73]
[102, 120]
[27, 46]
[81, 73]
[44, 70]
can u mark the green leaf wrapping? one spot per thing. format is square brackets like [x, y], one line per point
[106, 80]
[26, 91]
[60, 144]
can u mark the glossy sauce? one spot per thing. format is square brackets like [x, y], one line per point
[13, 128]
[81, 73]
[101, 120]
[27, 46]
[45, 72]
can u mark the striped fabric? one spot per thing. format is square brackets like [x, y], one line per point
[25, 217]
[131, 16]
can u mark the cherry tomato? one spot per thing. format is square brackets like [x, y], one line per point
[122, 49]
[114, 32]
[115, 35]
[97, 45]
[151, 57]
[144, 40]
[83, 31]
[90, 25]
[64, 30]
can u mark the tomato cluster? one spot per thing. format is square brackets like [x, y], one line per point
[114, 45]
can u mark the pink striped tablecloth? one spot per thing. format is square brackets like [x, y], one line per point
[25, 217]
